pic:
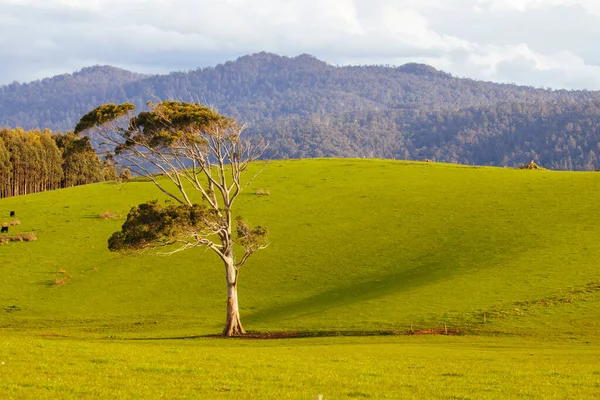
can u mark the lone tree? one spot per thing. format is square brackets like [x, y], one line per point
[201, 156]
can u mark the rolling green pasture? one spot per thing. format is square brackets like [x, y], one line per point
[357, 247]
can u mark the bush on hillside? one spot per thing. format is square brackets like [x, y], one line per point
[125, 175]
[108, 215]
[531, 165]
[19, 237]
[61, 280]
[11, 223]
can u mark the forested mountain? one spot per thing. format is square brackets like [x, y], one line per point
[558, 135]
[307, 108]
[58, 103]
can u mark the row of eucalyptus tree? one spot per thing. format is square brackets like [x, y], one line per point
[36, 161]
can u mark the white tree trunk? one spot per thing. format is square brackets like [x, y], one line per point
[233, 326]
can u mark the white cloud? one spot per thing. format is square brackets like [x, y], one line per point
[535, 42]
[519, 63]
[591, 6]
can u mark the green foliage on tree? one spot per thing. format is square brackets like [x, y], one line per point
[169, 122]
[151, 224]
[103, 114]
[81, 164]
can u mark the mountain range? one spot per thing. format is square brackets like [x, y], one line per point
[305, 107]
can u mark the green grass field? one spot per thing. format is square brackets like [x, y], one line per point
[357, 247]
[339, 368]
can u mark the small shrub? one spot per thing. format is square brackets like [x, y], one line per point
[125, 175]
[16, 238]
[531, 165]
[26, 237]
[61, 280]
[108, 215]
[11, 223]
[19, 237]
[262, 192]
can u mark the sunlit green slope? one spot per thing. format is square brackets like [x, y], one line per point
[355, 245]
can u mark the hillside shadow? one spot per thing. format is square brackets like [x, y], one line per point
[438, 264]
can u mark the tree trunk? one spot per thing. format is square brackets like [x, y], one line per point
[233, 326]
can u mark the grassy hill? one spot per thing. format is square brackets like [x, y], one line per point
[357, 245]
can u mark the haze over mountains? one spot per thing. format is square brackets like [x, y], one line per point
[307, 108]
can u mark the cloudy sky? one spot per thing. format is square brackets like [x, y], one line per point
[542, 43]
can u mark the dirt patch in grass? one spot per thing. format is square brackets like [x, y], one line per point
[437, 332]
[300, 334]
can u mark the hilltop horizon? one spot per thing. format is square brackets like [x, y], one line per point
[415, 67]
[305, 107]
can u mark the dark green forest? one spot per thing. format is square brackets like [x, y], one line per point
[559, 135]
[307, 108]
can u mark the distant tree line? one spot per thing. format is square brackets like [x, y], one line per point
[557, 135]
[36, 161]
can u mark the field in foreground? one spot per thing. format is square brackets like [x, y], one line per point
[337, 368]
[357, 245]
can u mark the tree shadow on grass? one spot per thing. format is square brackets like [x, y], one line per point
[438, 264]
